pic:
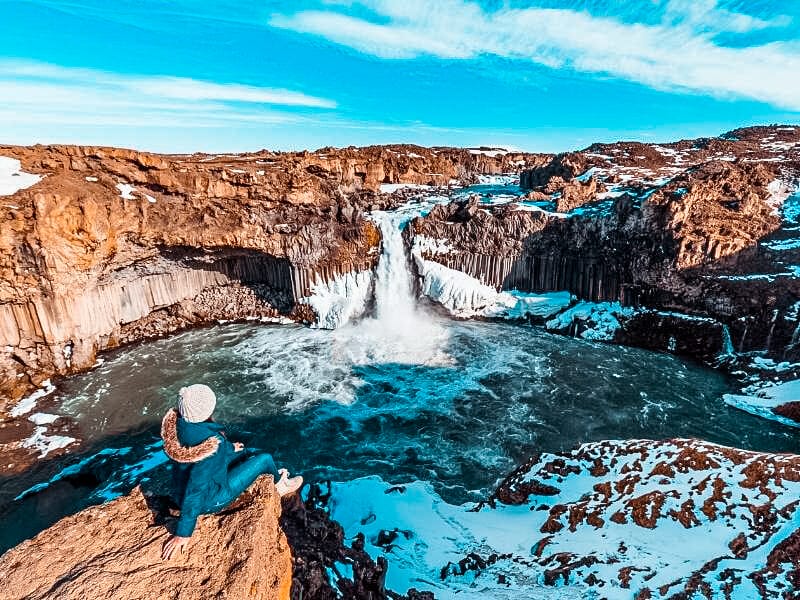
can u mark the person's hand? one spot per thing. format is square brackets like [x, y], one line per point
[173, 543]
[238, 446]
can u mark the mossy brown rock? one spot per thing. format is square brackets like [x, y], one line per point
[114, 551]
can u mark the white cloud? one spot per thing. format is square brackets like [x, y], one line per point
[680, 52]
[707, 15]
[39, 93]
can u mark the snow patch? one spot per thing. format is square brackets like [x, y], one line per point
[390, 188]
[505, 179]
[778, 190]
[762, 403]
[43, 418]
[126, 191]
[601, 318]
[464, 296]
[430, 245]
[13, 178]
[493, 153]
[92, 179]
[44, 443]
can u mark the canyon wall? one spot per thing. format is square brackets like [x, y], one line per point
[702, 227]
[112, 246]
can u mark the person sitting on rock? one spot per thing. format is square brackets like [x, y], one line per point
[209, 471]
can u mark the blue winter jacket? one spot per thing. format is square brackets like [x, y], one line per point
[201, 456]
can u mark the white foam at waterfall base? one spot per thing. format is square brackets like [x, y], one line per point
[400, 332]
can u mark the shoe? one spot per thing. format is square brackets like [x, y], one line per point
[289, 486]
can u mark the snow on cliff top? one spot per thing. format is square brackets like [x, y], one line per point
[13, 178]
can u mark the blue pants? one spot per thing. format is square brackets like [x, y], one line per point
[243, 473]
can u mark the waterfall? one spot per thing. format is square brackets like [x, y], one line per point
[771, 330]
[395, 304]
[400, 331]
[727, 343]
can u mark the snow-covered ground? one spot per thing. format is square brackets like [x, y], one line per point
[503, 179]
[762, 403]
[13, 178]
[424, 538]
[390, 188]
[667, 517]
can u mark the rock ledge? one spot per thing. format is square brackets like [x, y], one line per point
[113, 551]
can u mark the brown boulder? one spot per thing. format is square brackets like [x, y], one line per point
[114, 551]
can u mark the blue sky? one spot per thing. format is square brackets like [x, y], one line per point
[546, 75]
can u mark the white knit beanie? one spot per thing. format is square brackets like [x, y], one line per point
[196, 402]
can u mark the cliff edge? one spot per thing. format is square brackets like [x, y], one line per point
[114, 551]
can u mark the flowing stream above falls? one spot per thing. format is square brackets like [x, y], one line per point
[406, 395]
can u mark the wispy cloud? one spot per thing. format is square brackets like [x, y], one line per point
[680, 50]
[46, 93]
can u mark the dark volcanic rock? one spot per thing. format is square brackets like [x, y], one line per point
[318, 547]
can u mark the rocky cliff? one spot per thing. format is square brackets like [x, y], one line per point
[114, 551]
[260, 547]
[103, 246]
[701, 227]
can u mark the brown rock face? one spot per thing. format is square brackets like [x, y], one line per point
[115, 245]
[690, 227]
[114, 551]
